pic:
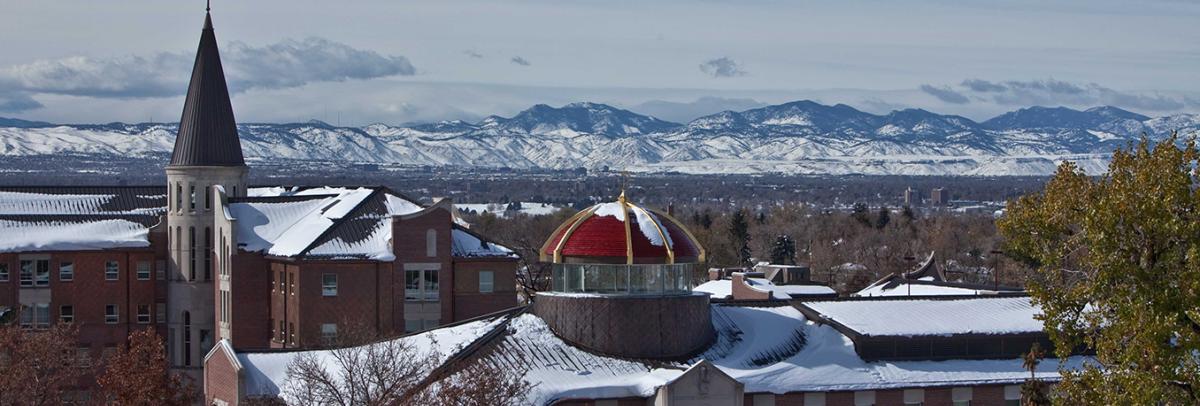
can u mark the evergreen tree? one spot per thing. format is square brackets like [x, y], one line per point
[784, 250]
[739, 232]
[885, 217]
[862, 214]
[1117, 262]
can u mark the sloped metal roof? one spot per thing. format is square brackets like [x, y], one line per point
[207, 131]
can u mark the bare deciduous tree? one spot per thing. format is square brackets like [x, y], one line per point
[38, 366]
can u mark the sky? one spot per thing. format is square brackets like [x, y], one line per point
[394, 62]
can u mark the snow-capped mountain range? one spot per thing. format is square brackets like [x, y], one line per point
[801, 137]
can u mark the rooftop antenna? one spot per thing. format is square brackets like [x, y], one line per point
[207, 5]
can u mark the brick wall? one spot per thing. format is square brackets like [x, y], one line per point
[251, 305]
[221, 380]
[469, 301]
[637, 327]
[409, 244]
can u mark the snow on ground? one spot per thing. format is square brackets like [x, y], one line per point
[499, 209]
[19, 236]
[992, 315]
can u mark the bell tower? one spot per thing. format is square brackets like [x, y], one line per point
[207, 153]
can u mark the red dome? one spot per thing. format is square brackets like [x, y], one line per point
[621, 232]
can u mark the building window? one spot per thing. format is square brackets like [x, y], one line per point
[282, 331]
[143, 314]
[35, 315]
[208, 238]
[191, 253]
[1012, 395]
[3, 272]
[208, 198]
[329, 332]
[111, 270]
[864, 398]
[487, 281]
[178, 196]
[961, 396]
[329, 284]
[143, 270]
[192, 197]
[431, 243]
[35, 272]
[914, 397]
[291, 277]
[66, 271]
[412, 326]
[110, 314]
[431, 285]
[187, 339]
[291, 337]
[431, 323]
[412, 285]
[66, 314]
[160, 270]
[282, 283]
[160, 312]
[421, 285]
[814, 399]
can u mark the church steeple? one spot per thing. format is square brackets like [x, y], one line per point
[207, 131]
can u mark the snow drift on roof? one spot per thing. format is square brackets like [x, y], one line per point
[916, 289]
[465, 244]
[929, 317]
[266, 372]
[62, 235]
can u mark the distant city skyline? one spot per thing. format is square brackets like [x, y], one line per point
[396, 62]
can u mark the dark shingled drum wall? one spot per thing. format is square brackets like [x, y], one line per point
[659, 327]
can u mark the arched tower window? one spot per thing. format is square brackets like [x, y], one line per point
[431, 243]
[208, 249]
[178, 196]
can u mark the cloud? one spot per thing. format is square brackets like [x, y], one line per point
[1057, 92]
[520, 61]
[944, 93]
[473, 54]
[15, 102]
[289, 63]
[722, 67]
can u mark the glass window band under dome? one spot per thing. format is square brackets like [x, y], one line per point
[636, 279]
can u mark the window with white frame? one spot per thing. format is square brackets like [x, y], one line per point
[1012, 395]
[961, 396]
[143, 314]
[110, 314]
[66, 314]
[421, 285]
[66, 271]
[329, 284]
[112, 271]
[864, 398]
[814, 399]
[487, 281]
[41, 315]
[35, 272]
[914, 397]
[329, 332]
[160, 312]
[4, 273]
[412, 325]
[143, 270]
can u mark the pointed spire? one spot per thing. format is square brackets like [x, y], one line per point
[207, 131]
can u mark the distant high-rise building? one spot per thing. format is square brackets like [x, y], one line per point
[939, 197]
[912, 197]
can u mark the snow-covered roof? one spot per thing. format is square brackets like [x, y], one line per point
[919, 289]
[933, 317]
[466, 244]
[69, 218]
[768, 349]
[333, 223]
[266, 372]
[723, 289]
[72, 233]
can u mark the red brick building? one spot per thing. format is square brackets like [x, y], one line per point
[207, 258]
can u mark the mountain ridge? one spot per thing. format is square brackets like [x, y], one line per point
[802, 137]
